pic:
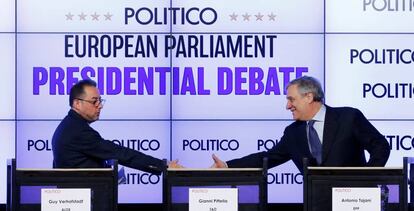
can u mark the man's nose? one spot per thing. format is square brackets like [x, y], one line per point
[288, 105]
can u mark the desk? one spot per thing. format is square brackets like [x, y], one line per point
[318, 183]
[250, 181]
[24, 185]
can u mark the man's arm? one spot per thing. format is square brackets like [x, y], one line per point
[279, 154]
[95, 146]
[372, 140]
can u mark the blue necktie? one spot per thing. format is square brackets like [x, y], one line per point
[315, 143]
[121, 176]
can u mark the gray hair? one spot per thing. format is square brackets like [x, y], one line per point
[307, 84]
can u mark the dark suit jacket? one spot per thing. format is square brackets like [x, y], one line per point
[347, 133]
[77, 145]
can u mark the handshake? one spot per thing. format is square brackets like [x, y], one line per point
[217, 163]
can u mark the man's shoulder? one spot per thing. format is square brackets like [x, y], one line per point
[343, 110]
[295, 125]
[72, 128]
[72, 122]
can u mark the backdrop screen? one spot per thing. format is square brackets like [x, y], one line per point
[186, 79]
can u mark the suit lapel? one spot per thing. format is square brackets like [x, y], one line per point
[329, 132]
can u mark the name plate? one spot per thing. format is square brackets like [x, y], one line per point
[65, 199]
[213, 199]
[361, 199]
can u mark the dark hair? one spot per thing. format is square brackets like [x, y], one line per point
[78, 89]
[307, 84]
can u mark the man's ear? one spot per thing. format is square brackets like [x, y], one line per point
[76, 104]
[309, 97]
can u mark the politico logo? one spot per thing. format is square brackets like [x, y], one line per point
[52, 191]
[135, 144]
[342, 190]
[39, 145]
[199, 190]
[400, 142]
[173, 15]
[138, 144]
[266, 144]
[284, 178]
[387, 5]
[142, 179]
[210, 144]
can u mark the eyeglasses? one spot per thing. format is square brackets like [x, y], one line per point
[96, 102]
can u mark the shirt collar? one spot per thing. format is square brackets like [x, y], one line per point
[320, 115]
[75, 114]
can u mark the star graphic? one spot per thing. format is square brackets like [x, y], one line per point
[108, 16]
[246, 17]
[95, 17]
[69, 16]
[272, 17]
[259, 17]
[233, 17]
[82, 16]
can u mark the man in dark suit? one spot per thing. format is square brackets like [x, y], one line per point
[76, 144]
[326, 136]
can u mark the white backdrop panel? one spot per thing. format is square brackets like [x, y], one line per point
[7, 15]
[400, 136]
[34, 150]
[349, 78]
[289, 16]
[292, 51]
[152, 138]
[99, 16]
[369, 16]
[230, 140]
[7, 84]
[34, 144]
[47, 50]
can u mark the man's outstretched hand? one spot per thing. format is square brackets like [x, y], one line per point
[174, 164]
[218, 163]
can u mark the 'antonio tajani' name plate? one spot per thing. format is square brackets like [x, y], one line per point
[361, 199]
[213, 199]
[73, 199]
